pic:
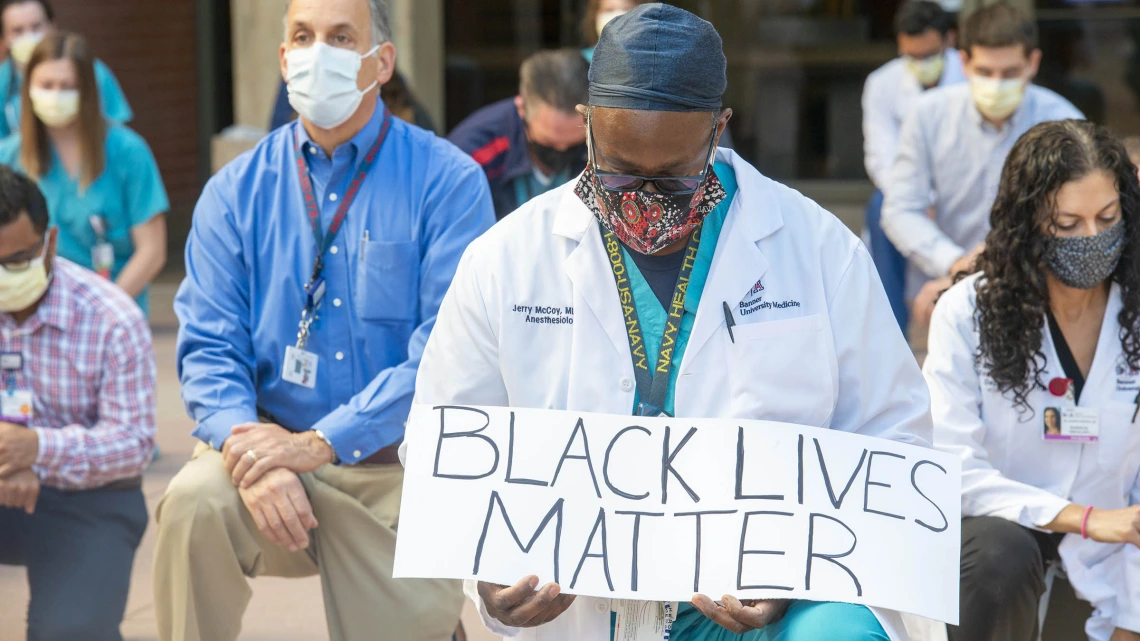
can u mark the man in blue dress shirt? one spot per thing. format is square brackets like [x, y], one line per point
[315, 269]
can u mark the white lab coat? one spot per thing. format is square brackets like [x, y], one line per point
[1010, 471]
[833, 356]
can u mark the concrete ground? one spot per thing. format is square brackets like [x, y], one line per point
[281, 610]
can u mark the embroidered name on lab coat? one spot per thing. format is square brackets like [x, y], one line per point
[545, 314]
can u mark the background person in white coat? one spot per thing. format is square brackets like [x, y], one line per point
[783, 318]
[1050, 326]
[926, 60]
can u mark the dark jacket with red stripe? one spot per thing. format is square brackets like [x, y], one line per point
[496, 138]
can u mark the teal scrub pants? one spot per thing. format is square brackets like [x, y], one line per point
[804, 621]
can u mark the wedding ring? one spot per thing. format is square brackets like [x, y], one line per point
[252, 455]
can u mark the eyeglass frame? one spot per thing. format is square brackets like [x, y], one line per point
[38, 251]
[699, 178]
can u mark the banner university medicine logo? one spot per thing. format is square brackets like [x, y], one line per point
[752, 302]
[756, 289]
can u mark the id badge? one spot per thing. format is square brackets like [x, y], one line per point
[1076, 424]
[16, 406]
[102, 259]
[643, 620]
[300, 367]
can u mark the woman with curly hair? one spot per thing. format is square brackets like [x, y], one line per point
[1034, 369]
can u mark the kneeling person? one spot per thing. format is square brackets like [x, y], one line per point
[77, 426]
[774, 285]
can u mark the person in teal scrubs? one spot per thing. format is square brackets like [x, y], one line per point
[598, 15]
[23, 24]
[101, 181]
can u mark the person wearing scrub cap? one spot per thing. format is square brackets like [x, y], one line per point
[700, 245]
[599, 13]
[23, 24]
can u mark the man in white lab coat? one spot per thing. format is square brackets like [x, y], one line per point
[768, 306]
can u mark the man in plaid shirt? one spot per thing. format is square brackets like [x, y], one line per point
[77, 423]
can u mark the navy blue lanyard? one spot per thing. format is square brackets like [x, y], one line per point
[652, 386]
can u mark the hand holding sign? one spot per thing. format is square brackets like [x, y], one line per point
[740, 617]
[520, 606]
[660, 509]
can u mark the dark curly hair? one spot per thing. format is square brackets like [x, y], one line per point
[1012, 296]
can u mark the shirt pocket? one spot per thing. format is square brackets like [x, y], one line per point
[387, 281]
[782, 371]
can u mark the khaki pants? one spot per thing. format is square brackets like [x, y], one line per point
[208, 546]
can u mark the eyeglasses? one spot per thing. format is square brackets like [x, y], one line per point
[614, 181]
[20, 264]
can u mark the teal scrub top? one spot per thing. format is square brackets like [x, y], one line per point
[805, 617]
[115, 106]
[649, 310]
[652, 316]
[128, 193]
[528, 187]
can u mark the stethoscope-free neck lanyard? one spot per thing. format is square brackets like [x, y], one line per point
[324, 240]
[652, 385]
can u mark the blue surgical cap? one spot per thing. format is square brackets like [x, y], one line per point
[658, 58]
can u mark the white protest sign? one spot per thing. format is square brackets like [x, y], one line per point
[659, 509]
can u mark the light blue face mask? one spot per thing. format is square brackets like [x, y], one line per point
[1083, 262]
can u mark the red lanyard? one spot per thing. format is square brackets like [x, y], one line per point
[325, 240]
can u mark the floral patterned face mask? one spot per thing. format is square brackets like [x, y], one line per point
[649, 221]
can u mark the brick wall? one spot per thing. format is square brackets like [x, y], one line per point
[150, 46]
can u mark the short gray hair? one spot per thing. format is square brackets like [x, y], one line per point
[559, 78]
[381, 21]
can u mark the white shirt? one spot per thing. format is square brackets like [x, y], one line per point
[835, 358]
[950, 158]
[1010, 471]
[888, 95]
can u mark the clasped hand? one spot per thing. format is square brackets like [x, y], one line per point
[19, 485]
[523, 605]
[268, 480]
[272, 447]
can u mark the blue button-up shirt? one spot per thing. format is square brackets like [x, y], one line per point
[251, 252]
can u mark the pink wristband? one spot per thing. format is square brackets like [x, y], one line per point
[1085, 522]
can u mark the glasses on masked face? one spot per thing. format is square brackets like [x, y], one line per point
[619, 182]
[24, 260]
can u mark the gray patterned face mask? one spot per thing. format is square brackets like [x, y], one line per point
[1084, 262]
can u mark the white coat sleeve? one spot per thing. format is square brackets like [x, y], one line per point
[460, 366]
[881, 391]
[908, 197]
[880, 131]
[1128, 601]
[471, 589]
[956, 405]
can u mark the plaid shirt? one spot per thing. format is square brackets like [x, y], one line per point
[88, 360]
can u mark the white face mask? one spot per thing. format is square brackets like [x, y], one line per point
[55, 108]
[605, 17]
[23, 47]
[20, 290]
[322, 83]
[997, 99]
